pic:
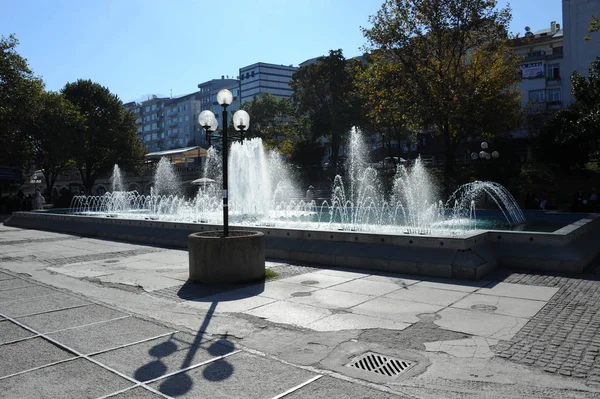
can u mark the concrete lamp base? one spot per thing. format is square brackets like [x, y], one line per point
[236, 259]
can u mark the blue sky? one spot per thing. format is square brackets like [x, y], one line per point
[138, 47]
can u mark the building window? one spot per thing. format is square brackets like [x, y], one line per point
[553, 71]
[187, 118]
[537, 96]
[554, 96]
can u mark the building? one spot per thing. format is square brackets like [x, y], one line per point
[542, 67]
[263, 78]
[208, 101]
[579, 53]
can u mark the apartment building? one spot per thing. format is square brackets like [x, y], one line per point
[542, 67]
[264, 78]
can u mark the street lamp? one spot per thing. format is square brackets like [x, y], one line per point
[483, 154]
[224, 98]
[207, 120]
[241, 121]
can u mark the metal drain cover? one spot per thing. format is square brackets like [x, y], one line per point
[309, 282]
[380, 364]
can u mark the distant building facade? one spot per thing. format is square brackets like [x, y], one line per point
[542, 68]
[264, 78]
[579, 53]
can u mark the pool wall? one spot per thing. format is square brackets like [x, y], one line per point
[470, 256]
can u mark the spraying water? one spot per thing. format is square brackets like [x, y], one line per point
[264, 192]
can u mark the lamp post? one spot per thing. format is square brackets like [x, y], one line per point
[483, 154]
[208, 121]
[241, 121]
[224, 98]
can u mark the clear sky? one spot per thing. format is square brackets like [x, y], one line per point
[139, 47]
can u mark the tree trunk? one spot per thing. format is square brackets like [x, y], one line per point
[449, 159]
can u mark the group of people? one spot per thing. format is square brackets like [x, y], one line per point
[582, 202]
[23, 202]
[587, 202]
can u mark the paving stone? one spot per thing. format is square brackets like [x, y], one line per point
[153, 359]
[18, 357]
[25, 293]
[14, 283]
[10, 331]
[4, 276]
[102, 336]
[137, 393]
[231, 376]
[328, 387]
[74, 379]
[42, 304]
[566, 329]
[68, 318]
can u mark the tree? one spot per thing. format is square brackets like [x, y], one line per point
[573, 131]
[52, 135]
[382, 86]
[19, 91]
[593, 28]
[323, 92]
[272, 120]
[108, 134]
[461, 75]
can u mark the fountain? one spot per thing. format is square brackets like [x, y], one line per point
[395, 225]
[263, 193]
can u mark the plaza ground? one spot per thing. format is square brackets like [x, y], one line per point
[90, 318]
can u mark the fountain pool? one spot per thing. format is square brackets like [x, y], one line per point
[366, 222]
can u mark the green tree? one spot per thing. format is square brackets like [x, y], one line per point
[382, 86]
[573, 131]
[19, 91]
[461, 75]
[324, 94]
[52, 134]
[271, 119]
[108, 135]
[593, 28]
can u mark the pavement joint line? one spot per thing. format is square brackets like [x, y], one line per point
[87, 325]
[55, 310]
[18, 340]
[80, 355]
[23, 286]
[35, 296]
[297, 387]
[110, 395]
[330, 373]
[141, 341]
[40, 367]
[214, 359]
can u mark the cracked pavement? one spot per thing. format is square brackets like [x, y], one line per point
[493, 338]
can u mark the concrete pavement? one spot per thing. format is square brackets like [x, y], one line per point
[83, 317]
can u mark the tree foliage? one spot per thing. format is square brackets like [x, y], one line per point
[108, 134]
[460, 74]
[573, 131]
[324, 94]
[52, 134]
[19, 92]
[272, 120]
[388, 109]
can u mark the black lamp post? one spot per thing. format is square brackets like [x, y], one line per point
[208, 121]
[224, 98]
